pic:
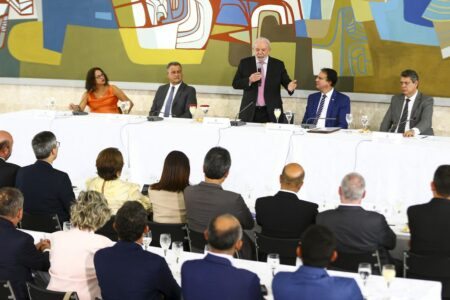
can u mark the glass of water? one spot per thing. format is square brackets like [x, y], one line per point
[147, 239]
[67, 226]
[349, 119]
[289, 115]
[273, 259]
[364, 122]
[364, 271]
[165, 240]
[177, 247]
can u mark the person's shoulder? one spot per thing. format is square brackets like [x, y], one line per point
[314, 95]
[425, 97]
[308, 204]
[275, 60]
[343, 282]
[341, 95]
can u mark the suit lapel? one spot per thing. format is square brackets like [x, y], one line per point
[331, 107]
[178, 94]
[161, 99]
[416, 104]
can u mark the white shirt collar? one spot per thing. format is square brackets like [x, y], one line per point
[330, 93]
[2, 158]
[413, 97]
[286, 191]
[349, 204]
[266, 60]
[226, 256]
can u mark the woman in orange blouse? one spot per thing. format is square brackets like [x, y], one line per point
[100, 96]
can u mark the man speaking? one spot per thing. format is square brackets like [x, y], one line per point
[260, 77]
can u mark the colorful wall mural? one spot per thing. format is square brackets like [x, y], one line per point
[369, 42]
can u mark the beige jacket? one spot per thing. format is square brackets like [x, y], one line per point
[168, 207]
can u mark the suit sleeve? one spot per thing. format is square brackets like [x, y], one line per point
[255, 286]
[307, 115]
[426, 116]
[343, 110]
[388, 238]
[387, 120]
[67, 197]
[168, 286]
[191, 99]
[243, 214]
[285, 79]
[241, 80]
[154, 109]
[33, 258]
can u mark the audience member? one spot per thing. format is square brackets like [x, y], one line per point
[215, 277]
[8, 170]
[116, 191]
[125, 270]
[311, 280]
[284, 215]
[72, 254]
[166, 196]
[18, 254]
[46, 190]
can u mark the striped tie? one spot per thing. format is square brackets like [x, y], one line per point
[319, 111]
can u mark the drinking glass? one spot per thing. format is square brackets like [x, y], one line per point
[388, 274]
[193, 109]
[205, 109]
[147, 239]
[289, 115]
[177, 248]
[364, 270]
[124, 107]
[364, 121]
[277, 113]
[273, 259]
[349, 119]
[67, 226]
[165, 241]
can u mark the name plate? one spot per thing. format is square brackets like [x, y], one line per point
[217, 122]
[281, 126]
[377, 135]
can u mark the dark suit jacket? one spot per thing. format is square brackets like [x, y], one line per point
[8, 173]
[358, 230]
[46, 190]
[206, 200]
[284, 215]
[310, 283]
[184, 97]
[421, 114]
[276, 75]
[126, 271]
[18, 256]
[338, 107]
[215, 278]
[429, 224]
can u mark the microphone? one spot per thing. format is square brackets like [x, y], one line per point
[240, 122]
[394, 126]
[153, 116]
[259, 81]
[310, 126]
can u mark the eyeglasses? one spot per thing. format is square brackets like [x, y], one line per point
[100, 76]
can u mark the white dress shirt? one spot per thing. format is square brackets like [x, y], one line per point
[410, 106]
[163, 108]
[321, 122]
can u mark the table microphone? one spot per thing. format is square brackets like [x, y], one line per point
[153, 116]
[310, 126]
[240, 122]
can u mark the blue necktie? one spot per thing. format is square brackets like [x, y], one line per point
[319, 111]
[169, 102]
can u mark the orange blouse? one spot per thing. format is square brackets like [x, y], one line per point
[104, 104]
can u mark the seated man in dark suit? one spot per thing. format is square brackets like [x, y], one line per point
[18, 254]
[356, 229]
[8, 170]
[328, 107]
[214, 276]
[125, 270]
[311, 281]
[284, 215]
[173, 99]
[46, 190]
[430, 222]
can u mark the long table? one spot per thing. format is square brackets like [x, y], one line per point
[375, 288]
[397, 170]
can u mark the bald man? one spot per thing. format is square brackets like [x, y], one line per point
[215, 277]
[284, 215]
[8, 170]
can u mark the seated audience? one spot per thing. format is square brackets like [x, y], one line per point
[428, 222]
[72, 254]
[8, 170]
[356, 229]
[125, 270]
[311, 281]
[18, 254]
[284, 215]
[46, 190]
[116, 191]
[166, 196]
[215, 277]
[100, 96]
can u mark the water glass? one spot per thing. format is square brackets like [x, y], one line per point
[165, 240]
[289, 115]
[67, 226]
[364, 271]
[177, 247]
[388, 274]
[273, 259]
[349, 119]
[147, 239]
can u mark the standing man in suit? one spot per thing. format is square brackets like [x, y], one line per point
[429, 222]
[46, 190]
[125, 270]
[173, 99]
[328, 107]
[284, 215]
[18, 254]
[215, 277]
[260, 77]
[8, 170]
[410, 113]
[356, 229]
[311, 281]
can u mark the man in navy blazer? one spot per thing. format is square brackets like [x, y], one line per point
[182, 94]
[46, 190]
[125, 270]
[215, 277]
[8, 170]
[18, 254]
[328, 107]
[311, 281]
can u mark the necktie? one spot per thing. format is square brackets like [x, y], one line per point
[169, 102]
[261, 101]
[319, 111]
[403, 118]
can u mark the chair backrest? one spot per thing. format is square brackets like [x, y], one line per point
[6, 291]
[197, 240]
[108, 230]
[37, 222]
[349, 262]
[37, 293]
[286, 248]
[178, 232]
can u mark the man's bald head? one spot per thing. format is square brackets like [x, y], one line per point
[224, 233]
[6, 144]
[292, 177]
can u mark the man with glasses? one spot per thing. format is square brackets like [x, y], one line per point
[45, 189]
